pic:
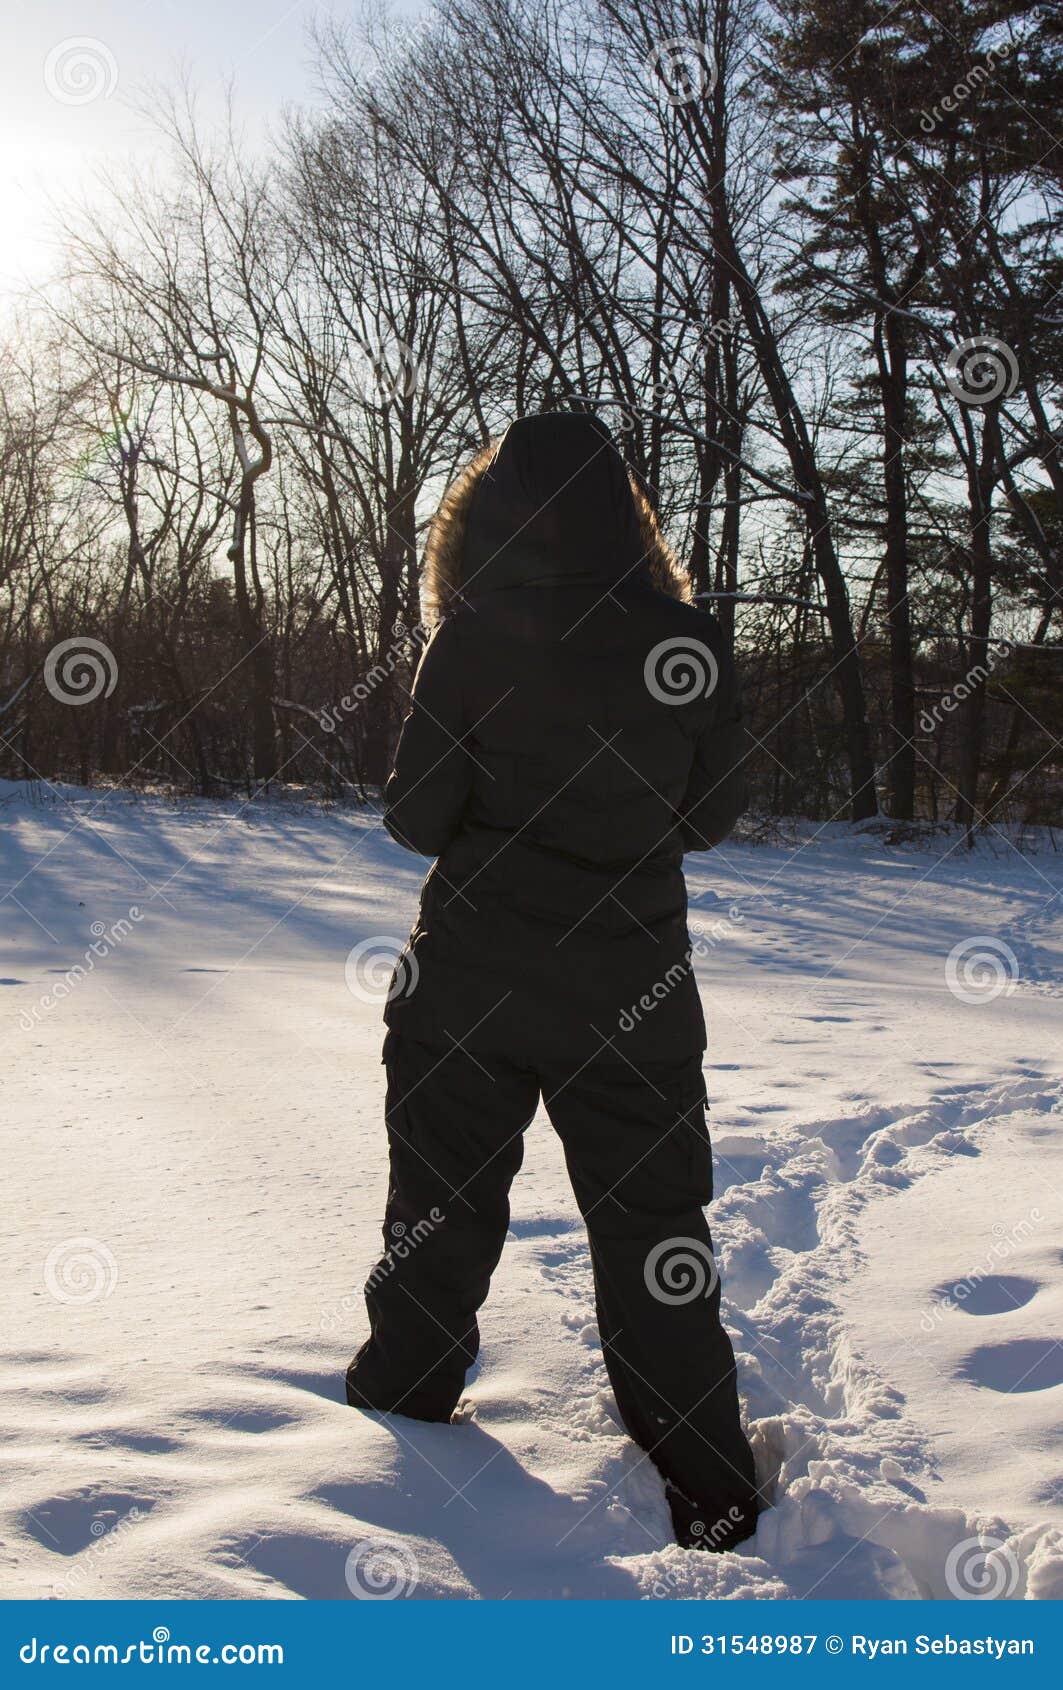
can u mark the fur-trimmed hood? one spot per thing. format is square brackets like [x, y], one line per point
[549, 500]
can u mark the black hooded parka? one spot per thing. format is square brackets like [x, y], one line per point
[573, 732]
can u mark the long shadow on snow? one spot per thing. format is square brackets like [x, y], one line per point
[508, 1531]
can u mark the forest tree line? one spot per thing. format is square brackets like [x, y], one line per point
[802, 257]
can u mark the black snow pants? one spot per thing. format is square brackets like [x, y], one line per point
[637, 1148]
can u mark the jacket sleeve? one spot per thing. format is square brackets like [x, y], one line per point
[428, 788]
[716, 793]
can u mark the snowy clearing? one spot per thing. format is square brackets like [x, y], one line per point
[195, 1167]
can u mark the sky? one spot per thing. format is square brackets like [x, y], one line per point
[72, 70]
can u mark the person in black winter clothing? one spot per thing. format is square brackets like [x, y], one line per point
[575, 728]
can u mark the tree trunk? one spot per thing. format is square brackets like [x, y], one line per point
[847, 675]
[972, 720]
[891, 353]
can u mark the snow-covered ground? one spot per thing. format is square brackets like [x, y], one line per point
[194, 1173]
